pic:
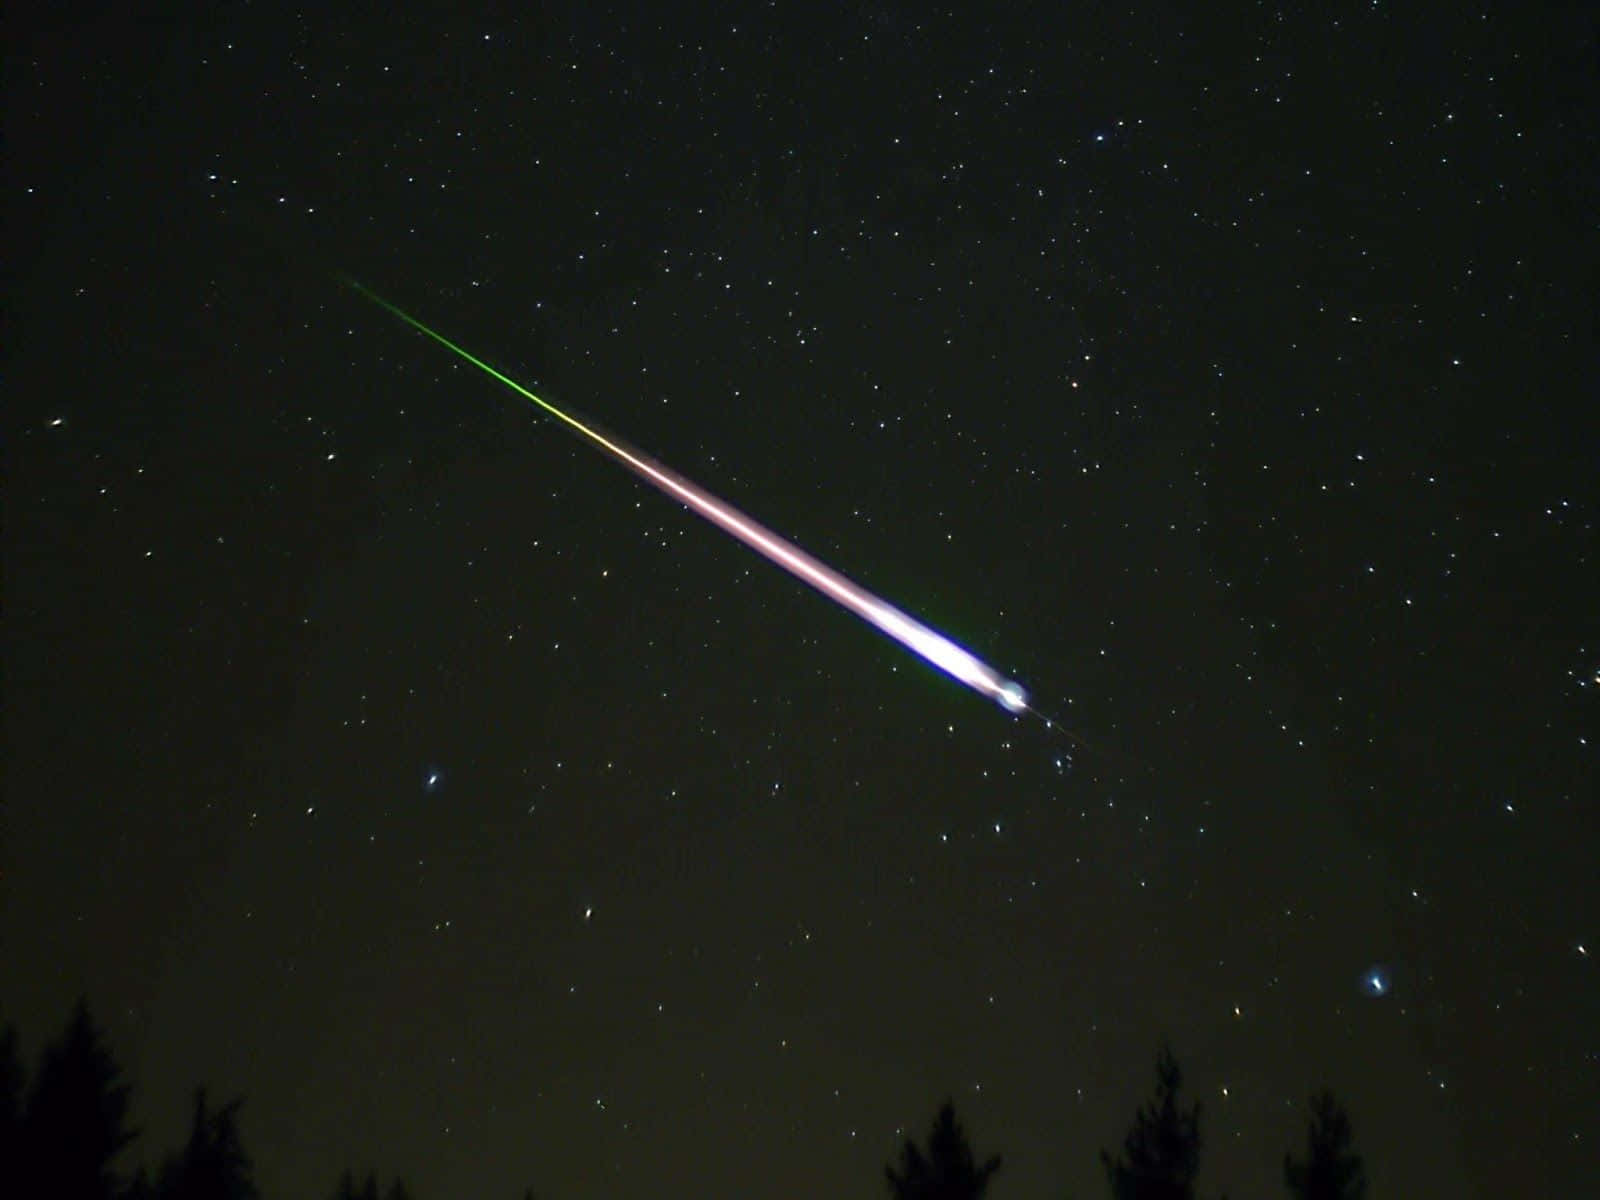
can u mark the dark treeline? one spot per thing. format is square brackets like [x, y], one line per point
[63, 1130]
[1160, 1155]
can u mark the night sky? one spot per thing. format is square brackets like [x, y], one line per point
[379, 750]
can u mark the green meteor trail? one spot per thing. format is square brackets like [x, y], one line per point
[516, 387]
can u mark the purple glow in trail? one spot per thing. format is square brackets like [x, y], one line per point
[937, 649]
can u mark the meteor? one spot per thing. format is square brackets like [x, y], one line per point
[937, 649]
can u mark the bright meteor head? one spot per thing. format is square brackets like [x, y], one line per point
[1011, 697]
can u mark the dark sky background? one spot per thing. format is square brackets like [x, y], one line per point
[377, 749]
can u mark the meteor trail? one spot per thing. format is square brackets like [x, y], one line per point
[937, 649]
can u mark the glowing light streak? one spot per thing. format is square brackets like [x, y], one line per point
[934, 647]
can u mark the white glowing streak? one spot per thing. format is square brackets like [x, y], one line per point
[937, 649]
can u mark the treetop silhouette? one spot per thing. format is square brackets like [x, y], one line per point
[212, 1165]
[1331, 1170]
[76, 1120]
[1161, 1153]
[948, 1171]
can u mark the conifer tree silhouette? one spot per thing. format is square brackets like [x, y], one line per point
[12, 1081]
[949, 1170]
[1331, 1170]
[1161, 1154]
[350, 1190]
[75, 1122]
[213, 1164]
[368, 1189]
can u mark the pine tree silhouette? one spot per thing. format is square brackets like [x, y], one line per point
[948, 1172]
[349, 1190]
[368, 1189]
[1331, 1171]
[12, 1081]
[1161, 1154]
[213, 1164]
[75, 1123]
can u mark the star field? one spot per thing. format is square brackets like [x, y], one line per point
[379, 751]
